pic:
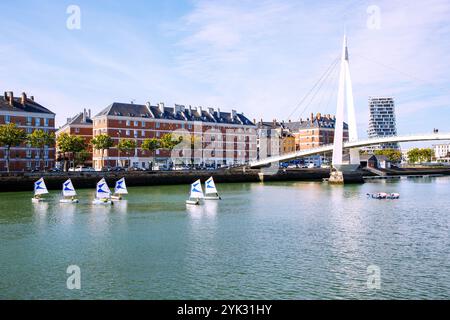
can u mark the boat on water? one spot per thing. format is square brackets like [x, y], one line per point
[383, 195]
[68, 192]
[211, 192]
[103, 193]
[39, 189]
[196, 193]
[119, 190]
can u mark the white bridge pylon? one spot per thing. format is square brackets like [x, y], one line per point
[345, 96]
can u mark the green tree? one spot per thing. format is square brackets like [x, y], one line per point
[11, 136]
[71, 145]
[394, 156]
[417, 155]
[81, 157]
[168, 142]
[102, 142]
[151, 145]
[127, 147]
[40, 139]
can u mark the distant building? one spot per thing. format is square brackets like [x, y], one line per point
[29, 116]
[442, 152]
[224, 138]
[273, 139]
[79, 125]
[382, 121]
[314, 132]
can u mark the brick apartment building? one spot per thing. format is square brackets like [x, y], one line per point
[316, 131]
[29, 116]
[79, 125]
[221, 138]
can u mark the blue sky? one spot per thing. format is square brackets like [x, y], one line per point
[259, 57]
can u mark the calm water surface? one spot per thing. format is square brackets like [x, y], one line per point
[262, 241]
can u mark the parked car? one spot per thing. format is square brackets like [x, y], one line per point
[84, 169]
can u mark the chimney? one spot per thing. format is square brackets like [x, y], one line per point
[89, 113]
[84, 115]
[233, 114]
[11, 98]
[161, 107]
[312, 117]
[32, 98]
[23, 100]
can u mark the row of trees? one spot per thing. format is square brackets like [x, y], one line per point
[75, 148]
[11, 136]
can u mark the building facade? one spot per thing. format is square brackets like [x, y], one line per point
[273, 139]
[29, 116]
[442, 152]
[382, 121]
[79, 125]
[314, 132]
[210, 137]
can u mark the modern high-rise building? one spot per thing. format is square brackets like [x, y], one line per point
[382, 121]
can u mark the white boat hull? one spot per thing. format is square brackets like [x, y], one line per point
[116, 198]
[193, 202]
[102, 202]
[213, 198]
[68, 201]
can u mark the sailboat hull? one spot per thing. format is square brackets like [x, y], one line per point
[102, 202]
[213, 198]
[36, 200]
[69, 201]
[193, 202]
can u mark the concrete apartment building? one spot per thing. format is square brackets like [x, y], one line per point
[79, 125]
[382, 121]
[220, 138]
[28, 115]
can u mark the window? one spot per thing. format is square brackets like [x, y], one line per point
[29, 121]
[77, 130]
[157, 124]
[143, 124]
[128, 123]
[46, 122]
[127, 132]
[45, 154]
[157, 134]
[29, 130]
[28, 164]
[28, 153]
[7, 119]
[37, 122]
[136, 123]
[142, 133]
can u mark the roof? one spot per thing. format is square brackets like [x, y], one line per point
[29, 106]
[178, 112]
[322, 122]
[78, 119]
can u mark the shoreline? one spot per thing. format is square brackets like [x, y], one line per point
[14, 182]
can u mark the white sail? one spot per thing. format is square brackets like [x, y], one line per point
[196, 190]
[210, 186]
[68, 189]
[121, 187]
[40, 187]
[103, 190]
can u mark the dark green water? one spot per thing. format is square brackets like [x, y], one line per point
[263, 241]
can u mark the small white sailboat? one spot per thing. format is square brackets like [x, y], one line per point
[103, 194]
[196, 193]
[119, 190]
[211, 190]
[68, 192]
[39, 189]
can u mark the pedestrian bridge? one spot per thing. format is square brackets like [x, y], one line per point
[350, 145]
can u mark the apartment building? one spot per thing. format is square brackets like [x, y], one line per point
[382, 121]
[210, 137]
[28, 115]
[273, 139]
[79, 125]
